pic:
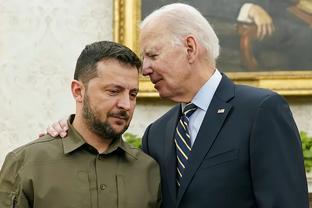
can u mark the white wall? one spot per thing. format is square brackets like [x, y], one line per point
[302, 112]
[40, 42]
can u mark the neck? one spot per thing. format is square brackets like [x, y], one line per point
[194, 84]
[99, 143]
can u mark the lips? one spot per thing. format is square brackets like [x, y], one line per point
[122, 115]
[155, 78]
[155, 82]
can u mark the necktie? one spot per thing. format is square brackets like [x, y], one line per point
[183, 141]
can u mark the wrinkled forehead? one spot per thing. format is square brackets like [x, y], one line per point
[153, 37]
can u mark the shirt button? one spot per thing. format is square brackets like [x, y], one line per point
[101, 157]
[102, 186]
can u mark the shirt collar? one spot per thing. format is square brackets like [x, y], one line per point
[203, 97]
[74, 141]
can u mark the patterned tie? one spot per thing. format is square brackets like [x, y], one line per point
[183, 141]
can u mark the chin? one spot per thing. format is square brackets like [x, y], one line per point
[164, 93]
[171, 96]
[119, 129]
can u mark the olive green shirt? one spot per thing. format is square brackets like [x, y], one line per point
[64, 173]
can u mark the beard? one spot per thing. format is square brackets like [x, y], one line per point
[102, 128]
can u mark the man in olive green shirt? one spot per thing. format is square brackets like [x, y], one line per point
[92, 167]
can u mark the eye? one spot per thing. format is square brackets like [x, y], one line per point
[153, 56]
[113, 91]
[133, 94]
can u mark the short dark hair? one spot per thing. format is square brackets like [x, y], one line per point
[86, 66]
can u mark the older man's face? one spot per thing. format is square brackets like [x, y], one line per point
[164, 62]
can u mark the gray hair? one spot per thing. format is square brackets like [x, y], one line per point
[182, 20]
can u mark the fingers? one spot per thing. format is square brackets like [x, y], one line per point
[52, 132]
[261, 31]
[64, 126]
[262, 20]
[265, 30]
[59, 128]
[271, 29]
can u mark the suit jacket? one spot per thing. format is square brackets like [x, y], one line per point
[248, 156]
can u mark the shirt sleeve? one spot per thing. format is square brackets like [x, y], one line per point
[243, 13]
[8, 181]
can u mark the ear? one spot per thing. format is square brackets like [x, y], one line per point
[192, 48]
[77, 89]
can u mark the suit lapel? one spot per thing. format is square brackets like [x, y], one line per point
[170, 152]
[216, 114]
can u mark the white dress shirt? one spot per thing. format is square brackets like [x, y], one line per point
[202, 100]
[243, 13]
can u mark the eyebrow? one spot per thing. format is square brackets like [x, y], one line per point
[150, 50]
[119, 87]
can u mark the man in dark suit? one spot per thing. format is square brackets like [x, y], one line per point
[224, 145]
[244, 148]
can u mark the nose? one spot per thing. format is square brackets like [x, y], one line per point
[124, 102]
[147, 69]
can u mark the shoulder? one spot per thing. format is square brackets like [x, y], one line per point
[255, 95]
[37, 144]
[262, 103]
[21, 157]
[140, 158]
[230, 92]
[37, 149]
[248, 100]
[252, 91]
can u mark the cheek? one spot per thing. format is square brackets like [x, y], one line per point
[102, 112]
[105, 107]
[132, 108]
[160, 65]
